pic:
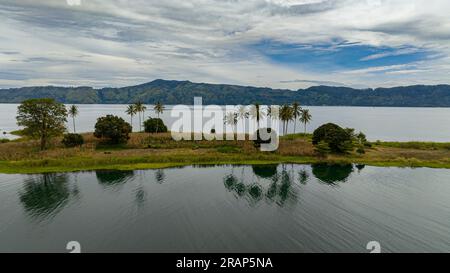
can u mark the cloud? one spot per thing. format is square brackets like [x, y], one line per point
[251, 42]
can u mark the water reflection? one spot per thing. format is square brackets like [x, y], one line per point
[43, 196]
[280, 190]
[265, 171]
[303, 177]
[331, 174]
[160, 176]
[113, 178]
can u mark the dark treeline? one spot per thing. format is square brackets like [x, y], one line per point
[183, 92]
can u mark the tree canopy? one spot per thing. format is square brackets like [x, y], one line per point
[42, 119]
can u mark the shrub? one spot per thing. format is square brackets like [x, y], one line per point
[72, 140]
[360, 150]
[323, 149]
[338, 139]
[4, 140]
[113, 128]
[155, 125]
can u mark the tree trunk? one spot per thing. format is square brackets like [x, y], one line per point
[140, 124]
[43, 142]
[295, 126]
[74, 130]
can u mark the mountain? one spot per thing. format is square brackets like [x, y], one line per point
[183, 92]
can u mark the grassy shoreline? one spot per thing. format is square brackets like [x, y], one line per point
[146, 151]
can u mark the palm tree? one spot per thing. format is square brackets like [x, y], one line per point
[286, 115]
[140, 108]
[256, 113]
[305, 117]
[131, 111]
[232, 120]
[273, 112]
[159, 108]
[73, 112]
[242, 112]
[296, 112]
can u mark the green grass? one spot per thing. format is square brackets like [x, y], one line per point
[146, 162]
[415, 145]
[160, 151]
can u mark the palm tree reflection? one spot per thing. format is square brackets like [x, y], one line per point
[282, 188]
[279, 190]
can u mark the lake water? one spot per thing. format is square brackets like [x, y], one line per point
[281, 208]
[378, 123]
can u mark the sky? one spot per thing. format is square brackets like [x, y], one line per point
[288, 44]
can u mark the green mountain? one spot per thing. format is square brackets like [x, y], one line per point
[183, 92]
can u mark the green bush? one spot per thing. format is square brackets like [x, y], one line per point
[112, 128]
[322, 148]
[72, 140]
[155, 125]
[4, 140]
[338, 139]
[360, 150]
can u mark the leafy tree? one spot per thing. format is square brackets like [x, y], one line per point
[155, 125]
[337, 138]
[42, 118]
[131, 111]
[72, 140]
[73, 112]
[305, 117]
[296, 112]
[113, 128]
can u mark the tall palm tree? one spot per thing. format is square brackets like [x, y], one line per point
[305, 117]
[73, 112]
[286, 115]
[232, 119]
[131, 111]
[159, 108]
[273, 112]
[256, 113]
[296, 112]
[242, 112]
[140, 108]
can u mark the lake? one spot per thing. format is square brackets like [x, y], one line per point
[275, 208]
[378, 123]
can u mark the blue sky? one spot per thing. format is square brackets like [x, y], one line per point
[276, 43]
[332, 57]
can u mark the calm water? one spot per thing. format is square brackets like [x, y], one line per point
[284, 208]
[379, 123]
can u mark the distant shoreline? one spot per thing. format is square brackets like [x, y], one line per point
[183, 92]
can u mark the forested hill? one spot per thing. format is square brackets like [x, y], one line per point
[183, 92]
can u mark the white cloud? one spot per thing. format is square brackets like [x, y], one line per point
[114, 42]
